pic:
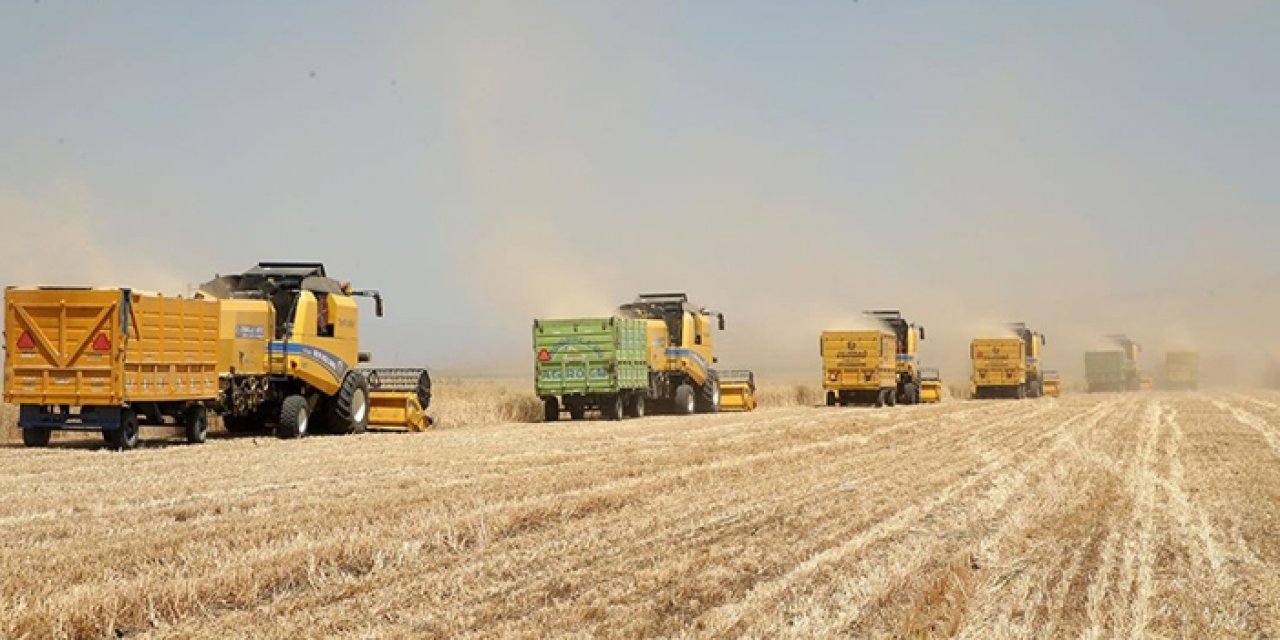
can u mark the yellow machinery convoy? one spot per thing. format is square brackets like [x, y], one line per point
[680, 351]
[1052, 384]
[275, 346]
[930, 385]
[737, 390]
[1008, 366]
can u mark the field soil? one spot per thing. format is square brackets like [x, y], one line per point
[1142, 515]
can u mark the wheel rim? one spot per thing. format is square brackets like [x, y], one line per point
[359, 406]
[640, 407]
[302, 421]
[688, 405]
[715, 397]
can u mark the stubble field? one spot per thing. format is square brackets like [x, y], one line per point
[1143, 515]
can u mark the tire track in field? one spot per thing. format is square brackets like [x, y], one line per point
[1253, 421]
[1026, 590]
[730, 618]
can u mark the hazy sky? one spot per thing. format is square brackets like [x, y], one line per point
[1087, 167]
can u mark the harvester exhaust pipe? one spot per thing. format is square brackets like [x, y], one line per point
[377, 299]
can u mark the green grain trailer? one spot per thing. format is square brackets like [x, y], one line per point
[591, 363]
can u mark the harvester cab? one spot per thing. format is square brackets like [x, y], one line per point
[908, 337]
[681, 350]
[289, 350]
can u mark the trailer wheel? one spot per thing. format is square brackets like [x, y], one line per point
[36, 436]
[550, 409]
[195, 421]
[1021, 392]
[294, 418]
[880, 398]
[612, 408]
[351, 405]
[635, 408]
[577, 408]
[125, 436]
[684, 400]
[891, 397]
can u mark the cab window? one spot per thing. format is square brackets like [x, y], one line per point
[324, 320]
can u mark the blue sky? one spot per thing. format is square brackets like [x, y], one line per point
[1086, 166]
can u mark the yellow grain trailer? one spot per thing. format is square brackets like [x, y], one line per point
[859, 367]
[737, 390]
[108, 360]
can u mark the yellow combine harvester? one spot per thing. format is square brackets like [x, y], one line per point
[290, 351]
[737, 390]
[680, 351]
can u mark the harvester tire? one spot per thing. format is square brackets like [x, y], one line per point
[36, 436]
[550, 409]
[832, 399]
[635, 408]
[295, 417]
[685, 401]
[125, 436]
[195, 423]
[708, 400]
[351, 405]
[612, 407]
[910, 393]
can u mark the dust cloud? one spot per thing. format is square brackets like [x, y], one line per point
[1007, 210]
[59, 239]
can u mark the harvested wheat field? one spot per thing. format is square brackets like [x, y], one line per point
[1146, 515]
